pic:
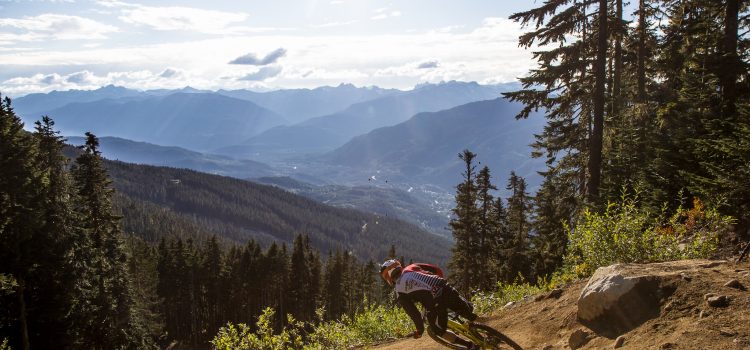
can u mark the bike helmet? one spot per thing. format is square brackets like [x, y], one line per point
[390, 270]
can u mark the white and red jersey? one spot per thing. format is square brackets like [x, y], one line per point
[417, 277]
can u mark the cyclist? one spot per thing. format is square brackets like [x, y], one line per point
[425, 284]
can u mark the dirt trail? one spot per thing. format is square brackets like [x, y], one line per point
[685, 320]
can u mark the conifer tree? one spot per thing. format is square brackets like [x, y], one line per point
[518, 222]
[465, 225]
[487, 230]
[19, 215]
[502, 241]
[562, 87]
[54, 274]
[107, 317]
[333, 286]
[553, 205]
[303, 287]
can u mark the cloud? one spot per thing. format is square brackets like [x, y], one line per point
[80, 78]
[428, 65]
[486, 51]
[177, 18]
[383, 13]
[252, 60]
[169, 73]
[334, 24]
[262, 74]
[54, 27]
[86, 80]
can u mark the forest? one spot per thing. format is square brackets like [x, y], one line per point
[647, 114]
[648, 117]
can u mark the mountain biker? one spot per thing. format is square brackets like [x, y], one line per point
[424, 283]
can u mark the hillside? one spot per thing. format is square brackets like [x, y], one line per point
[129, 151]
[327, 132]
[391, 202]
[682, 319]
[425, 147]
[297, 105]
[240, 210]
[196, 121]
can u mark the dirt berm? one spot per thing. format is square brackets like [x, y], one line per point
[690, 304]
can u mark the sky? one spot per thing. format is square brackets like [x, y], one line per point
[256, 44]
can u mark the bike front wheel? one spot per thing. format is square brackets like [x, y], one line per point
[493, 339]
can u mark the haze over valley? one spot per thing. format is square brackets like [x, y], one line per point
[387, 151]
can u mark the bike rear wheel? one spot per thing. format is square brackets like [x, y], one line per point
[442, 341]
[493, 338]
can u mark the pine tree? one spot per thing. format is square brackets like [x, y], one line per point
[212, 283]
[502, 241]
[553, 205]
[108, 318]
[54, 276]
[561, 86]
[303, 287]
[333, 300]
[19, 215]
[518, 222]
[465, 225]
[488, 227]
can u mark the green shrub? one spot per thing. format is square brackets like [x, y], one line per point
[4, 345]
[624, 233]
[373, 324]
[485, 303]
[235, 337]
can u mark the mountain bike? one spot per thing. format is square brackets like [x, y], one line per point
[484, 336]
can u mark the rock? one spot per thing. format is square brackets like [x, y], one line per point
[704, 314]
[718, 301]
[669, 306]
[619, 342]
[619, 298]
[727, 332]
[539, 297]
[547, 347]
[667, 346]
[708, 295]
[711, 264]
[555, 293]
[686, 277]
[735, 284]
[509, 305]
[578, 339]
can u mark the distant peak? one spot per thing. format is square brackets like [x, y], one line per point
[444, 83]
[111, 87]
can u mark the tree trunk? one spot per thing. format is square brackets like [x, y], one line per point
[641, 69]
[595, 145]
[730, 65]
[617, 79]
[26, 345]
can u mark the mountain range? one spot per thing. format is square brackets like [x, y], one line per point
[116, 148]
[297, 105]
[325, 133]
[197, 121]
[424, 149]
[239, 211]
[385, 155]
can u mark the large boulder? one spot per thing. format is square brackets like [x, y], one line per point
[620, 297]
